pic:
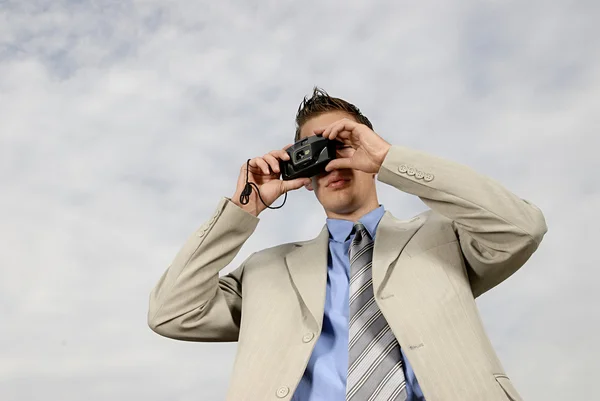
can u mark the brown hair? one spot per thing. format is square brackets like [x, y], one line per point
[320, 103]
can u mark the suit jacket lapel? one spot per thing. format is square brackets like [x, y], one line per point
[390, 239]
[307, 265]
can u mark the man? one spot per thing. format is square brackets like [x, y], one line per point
[373, 308]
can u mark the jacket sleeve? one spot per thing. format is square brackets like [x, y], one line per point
[190, 301]
[497, 230]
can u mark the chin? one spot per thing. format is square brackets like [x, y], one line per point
[340, 206]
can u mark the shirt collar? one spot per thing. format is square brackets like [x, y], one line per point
[339, 229]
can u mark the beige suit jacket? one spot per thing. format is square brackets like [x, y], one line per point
[427, 272]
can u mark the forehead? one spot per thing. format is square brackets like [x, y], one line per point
[322, 121]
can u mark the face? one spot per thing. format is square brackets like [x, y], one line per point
[355, 194]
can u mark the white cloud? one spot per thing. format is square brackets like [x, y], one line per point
[123, 123]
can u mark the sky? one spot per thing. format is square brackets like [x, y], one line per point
[123, 124]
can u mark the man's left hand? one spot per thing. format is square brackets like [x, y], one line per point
[370, 148]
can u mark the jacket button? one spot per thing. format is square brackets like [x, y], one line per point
[402, 168]
[307, 337]
[282, 391]
[428, 177]
[411, 171]
[419, 174]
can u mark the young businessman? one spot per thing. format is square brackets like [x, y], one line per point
[373, 308]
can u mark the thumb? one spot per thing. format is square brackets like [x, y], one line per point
[338, 164]
[294, 184]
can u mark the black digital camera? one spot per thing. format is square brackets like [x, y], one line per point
[308, 157]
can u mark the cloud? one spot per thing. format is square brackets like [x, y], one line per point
[122, 124]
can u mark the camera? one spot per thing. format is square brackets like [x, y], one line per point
[308, 157]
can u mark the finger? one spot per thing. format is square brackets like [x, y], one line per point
[288, 146]
[320, 130]
[331, 127]
[260, 163]
[341, 135]
[338, 164]
[273, 162]
[280, 154]
[328, 129]
[295, 184]
[342, 126]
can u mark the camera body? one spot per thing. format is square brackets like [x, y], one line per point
[308, 157]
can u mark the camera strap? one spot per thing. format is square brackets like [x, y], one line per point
[245, 196]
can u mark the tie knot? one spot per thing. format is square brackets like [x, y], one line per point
[360, 228]
[361, 243]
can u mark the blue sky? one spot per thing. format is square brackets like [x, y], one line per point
[123, 123]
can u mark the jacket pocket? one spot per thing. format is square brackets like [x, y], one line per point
[508, 387]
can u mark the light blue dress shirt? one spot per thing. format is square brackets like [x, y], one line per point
[327, 370]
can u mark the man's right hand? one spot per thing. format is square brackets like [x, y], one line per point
[264, 172]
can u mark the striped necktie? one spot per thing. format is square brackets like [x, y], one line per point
[375, 370]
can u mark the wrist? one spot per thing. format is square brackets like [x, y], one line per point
[249, 207]
[381, 155]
